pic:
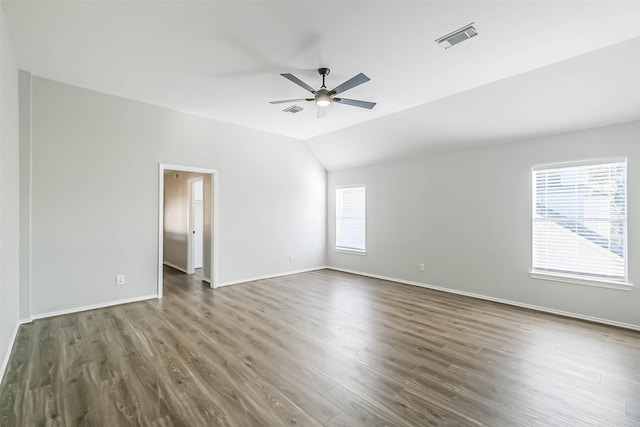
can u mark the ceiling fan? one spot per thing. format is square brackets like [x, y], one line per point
[323, 97]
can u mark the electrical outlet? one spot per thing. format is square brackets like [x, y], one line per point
[421, 267]
[120, 280]
[291, 258]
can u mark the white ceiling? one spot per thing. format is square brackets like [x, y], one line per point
[223, 59]
[594, 89]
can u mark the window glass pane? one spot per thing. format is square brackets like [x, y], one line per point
[350, 218]
[579, 220]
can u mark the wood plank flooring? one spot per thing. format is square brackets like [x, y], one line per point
[319, 348]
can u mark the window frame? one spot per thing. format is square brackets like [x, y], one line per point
[578, 279]
[343, 249]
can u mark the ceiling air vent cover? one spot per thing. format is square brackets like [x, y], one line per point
[457, 36]
[293, 109]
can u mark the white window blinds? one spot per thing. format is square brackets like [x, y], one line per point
[580, 220]
[350, 218]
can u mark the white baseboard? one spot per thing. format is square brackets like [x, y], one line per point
[7, 355]
[206, 279]
[92, 306]
[500, 300]
[168, 264]
[270, 276]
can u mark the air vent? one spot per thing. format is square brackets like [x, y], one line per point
[458, 36]
[293, 109]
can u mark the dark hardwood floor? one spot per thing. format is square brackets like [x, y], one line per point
[319, 348]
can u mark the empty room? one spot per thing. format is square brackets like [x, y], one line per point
[319, 213]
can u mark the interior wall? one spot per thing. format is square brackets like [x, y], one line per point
[9, 194]
[24, 95]
[94, 212]
[175, 240]
[467, 216]
[176, 220]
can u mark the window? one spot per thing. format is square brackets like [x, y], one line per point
[350, 219]
[580, 220]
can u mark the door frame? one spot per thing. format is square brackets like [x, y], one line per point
[213, 280]
[190, 253]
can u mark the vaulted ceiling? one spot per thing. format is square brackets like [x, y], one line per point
[536, 67]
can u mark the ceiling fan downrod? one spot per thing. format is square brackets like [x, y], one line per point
[323, 72]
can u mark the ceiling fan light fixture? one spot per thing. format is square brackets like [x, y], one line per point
[323, 98]
[323, 101]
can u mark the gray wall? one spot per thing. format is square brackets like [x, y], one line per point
[9, 193]
[95, 196]
[25, 192]
[467, 216]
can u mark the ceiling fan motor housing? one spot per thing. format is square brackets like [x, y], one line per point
[323, 98]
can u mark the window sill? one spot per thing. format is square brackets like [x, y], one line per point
[351, 251]
[581, 281]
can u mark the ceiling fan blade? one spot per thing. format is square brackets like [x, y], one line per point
[350, 84]
[290, 100]
[322, 111]
[355, 102]
[298, 82]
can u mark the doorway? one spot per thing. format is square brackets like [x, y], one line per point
[187, 222]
